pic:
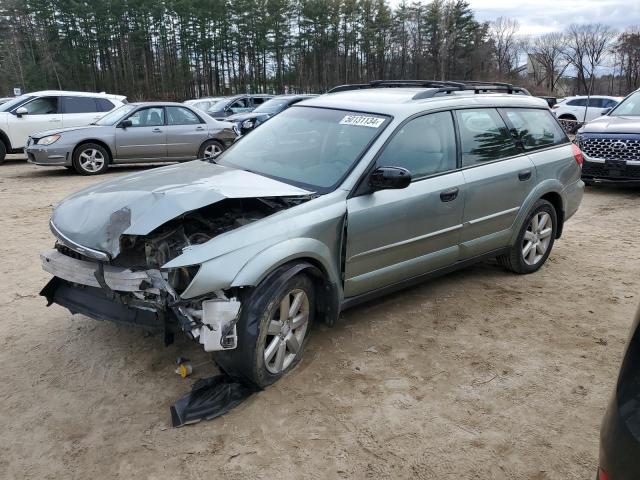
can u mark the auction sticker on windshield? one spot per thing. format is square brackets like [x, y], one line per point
[362, 121]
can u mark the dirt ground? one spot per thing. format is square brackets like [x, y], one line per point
[480, 374]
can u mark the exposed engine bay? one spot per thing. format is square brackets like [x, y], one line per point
[133, 288]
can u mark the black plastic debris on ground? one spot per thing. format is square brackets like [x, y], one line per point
[209, 398]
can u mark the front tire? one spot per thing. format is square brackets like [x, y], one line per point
[90, 159]
[272, 331]
[535, 240]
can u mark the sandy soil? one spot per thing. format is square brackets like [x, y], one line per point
[479, 374]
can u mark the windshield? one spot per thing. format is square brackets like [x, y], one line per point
[274, 105]
[217, 105]
[630, 106]
[11, 104]
[115, 116]
[313, 148]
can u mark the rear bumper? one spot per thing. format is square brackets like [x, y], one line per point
[572, 198]
[95, 303]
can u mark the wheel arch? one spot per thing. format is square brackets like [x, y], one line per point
[102, 143]
[548, 190]
[314, 256]
[567, 116]
[4, 138]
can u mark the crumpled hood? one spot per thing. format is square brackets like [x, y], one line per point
[137, 204]
[608, 124]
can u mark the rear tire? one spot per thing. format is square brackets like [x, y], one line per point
[90, 159]
[269, 348]
[534, 241]
[3, 152]
[210, 149]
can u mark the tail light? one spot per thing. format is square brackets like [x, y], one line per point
[577, 154]
[602, 475]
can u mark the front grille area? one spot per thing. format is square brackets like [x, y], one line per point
[602, 170]
[611, 148]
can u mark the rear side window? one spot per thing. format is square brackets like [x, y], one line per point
[578, 102]
[181, 116]
[484, 137]
[425, 146]
[79, 105]
[536, 128]
[104, 105]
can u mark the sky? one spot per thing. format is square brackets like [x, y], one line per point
[541, 16]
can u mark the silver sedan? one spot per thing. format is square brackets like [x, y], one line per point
[133, 133]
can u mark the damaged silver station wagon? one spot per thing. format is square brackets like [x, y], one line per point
[335, 201]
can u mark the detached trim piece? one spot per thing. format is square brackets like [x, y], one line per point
[76, 247]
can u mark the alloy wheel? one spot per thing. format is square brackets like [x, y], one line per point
[91, 160]
[286, 331]
[212, 151]
[537, 238]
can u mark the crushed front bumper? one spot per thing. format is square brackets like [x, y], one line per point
[97, 304]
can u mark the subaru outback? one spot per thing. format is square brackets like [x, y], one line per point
[339, 199]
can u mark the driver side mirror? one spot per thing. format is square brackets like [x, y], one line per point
[126, 124]
[21, 111]
[605, 111]
[389, 178]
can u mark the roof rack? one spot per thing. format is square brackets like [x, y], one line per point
[435, 87]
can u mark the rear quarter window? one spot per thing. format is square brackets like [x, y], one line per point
[535, 128]
[104, 105]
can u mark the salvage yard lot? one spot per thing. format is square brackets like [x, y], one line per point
[479, 374]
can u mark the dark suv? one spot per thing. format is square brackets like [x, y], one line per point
[611, 145]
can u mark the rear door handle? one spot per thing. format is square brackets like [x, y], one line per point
[156, 130]
[449, 194]
[200, 128]
[524, 175]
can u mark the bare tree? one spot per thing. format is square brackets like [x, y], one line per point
[587, 49]
[503, 33]
[548, 59]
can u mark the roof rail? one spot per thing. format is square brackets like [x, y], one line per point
[436, 86]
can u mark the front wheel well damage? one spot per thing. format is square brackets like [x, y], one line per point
[327, 293]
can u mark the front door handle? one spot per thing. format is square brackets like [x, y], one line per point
[524, 175]
[200, 129]
[56, 120]
[449, 194]
[156, 130]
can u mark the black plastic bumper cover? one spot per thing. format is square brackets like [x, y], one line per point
[209, 398]
[95, 303]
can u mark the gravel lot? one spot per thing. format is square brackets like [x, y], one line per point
[479, 374]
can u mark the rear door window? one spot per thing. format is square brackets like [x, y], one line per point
[181, 116]
[535, 128]
[79, 105]
[484, 137]
[425, 146]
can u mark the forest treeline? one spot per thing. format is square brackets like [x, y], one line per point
[178, 49]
